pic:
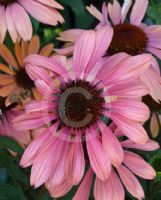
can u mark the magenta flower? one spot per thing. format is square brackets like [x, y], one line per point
[73, 108]
[14, 16]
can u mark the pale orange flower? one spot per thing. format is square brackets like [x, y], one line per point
[15, 84]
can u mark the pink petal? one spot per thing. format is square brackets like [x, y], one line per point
[2, 24]
[10, 24]
[127, 89]
[149, 146]
[33, 150]
[36, 72]
[70, 35]
[47, 63]
[138, 166]
[98, 157]
[138, 11]
[47, 161]
[156, 52]
[75, 163]
[132, 109]
[83, 51]
[84, 188]
[41, 12]
[131, 183]
[101, 46]
[114, 11]
[23, 25]
[95, 12]
[51, 3]
[35, 106]
[125, 9]
[59, 190]
[131, 129]
[32, 120]
[110, 189]
[111, 145]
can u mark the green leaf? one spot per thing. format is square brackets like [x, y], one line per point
[13, 169]
[11, 144]
[9, 192]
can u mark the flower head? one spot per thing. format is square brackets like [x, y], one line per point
[74, 109]
[15, 84]
[14, 16]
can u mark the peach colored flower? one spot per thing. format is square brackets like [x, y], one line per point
[14, 15]
[15, 84]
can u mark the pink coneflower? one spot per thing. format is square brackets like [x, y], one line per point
[130, 36]
[155, 118]
[15, 84]
[7, 114]
[15, 18]
[74, 109]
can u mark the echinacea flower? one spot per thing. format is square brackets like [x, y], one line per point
[15, 84]
[130, 36]
[155, 118]
[14, 15]
[112, 188]
[75, 107]
[7, 114]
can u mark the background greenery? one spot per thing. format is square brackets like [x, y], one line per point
[14, 181]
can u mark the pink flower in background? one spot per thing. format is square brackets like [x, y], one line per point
[130, 36]
[14, 16]
[7, 114]
[73, 109]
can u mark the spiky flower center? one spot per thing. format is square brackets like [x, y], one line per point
[153, 105]
[23, 80]
[79, 104]
[6, 2]
[128, 38]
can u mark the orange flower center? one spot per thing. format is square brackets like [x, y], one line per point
[23, 80]
[79, 104]
[128, 38]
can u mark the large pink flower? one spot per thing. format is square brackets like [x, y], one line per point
[112, 188]
[130, 36]
[14, 16]
[75, 105]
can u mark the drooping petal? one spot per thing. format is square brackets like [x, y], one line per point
[125, 8]
[47, 161]
[132, 109]
[84, 188]
[2, 24]
[75, 163]
[10, 24]
[110, 189]
[138, 165]
[23, 25]
[130, 182]
[111, 145]
[98, 157]
[131, 129]
[149, 146]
